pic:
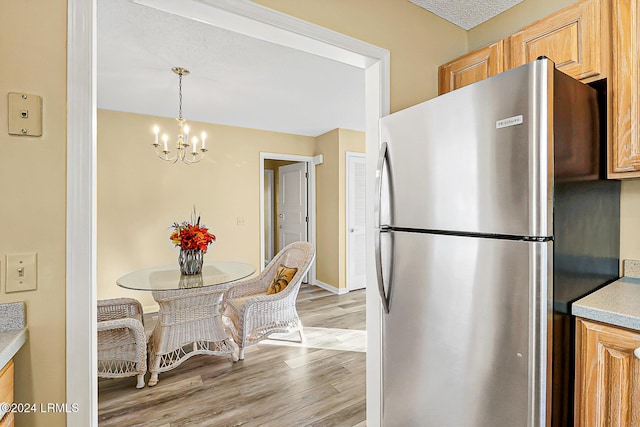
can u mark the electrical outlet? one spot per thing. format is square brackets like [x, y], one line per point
[21, 272]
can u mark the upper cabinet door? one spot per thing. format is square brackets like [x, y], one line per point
[623, 86]
[571, 38]
[470, 68]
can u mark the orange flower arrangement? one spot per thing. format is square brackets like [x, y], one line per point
[192, 236]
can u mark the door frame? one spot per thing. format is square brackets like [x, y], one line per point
[311, 162]
[81, 282]
[269, 186]
[349, 155]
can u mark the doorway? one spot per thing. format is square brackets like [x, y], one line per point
[286, 204]
[81, 177]
[292, 204]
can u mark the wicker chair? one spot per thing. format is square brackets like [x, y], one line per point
[122, 343]
[252, 315]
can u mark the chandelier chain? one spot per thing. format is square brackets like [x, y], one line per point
[180, 95]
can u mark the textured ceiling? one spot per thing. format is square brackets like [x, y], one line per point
[235, 79]
[466, 13]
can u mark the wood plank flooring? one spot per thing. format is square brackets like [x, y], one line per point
[280, 384]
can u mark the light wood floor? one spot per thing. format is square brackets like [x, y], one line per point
[319, 384]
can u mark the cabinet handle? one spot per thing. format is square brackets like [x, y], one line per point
[636, 352]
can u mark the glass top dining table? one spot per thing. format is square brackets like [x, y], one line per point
[168, 277]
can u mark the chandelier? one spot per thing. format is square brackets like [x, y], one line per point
[182, 152]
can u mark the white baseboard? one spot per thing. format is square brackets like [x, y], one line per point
[332, 289]
[153, 308]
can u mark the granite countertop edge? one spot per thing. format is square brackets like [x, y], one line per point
[10, 342]
[617, 304]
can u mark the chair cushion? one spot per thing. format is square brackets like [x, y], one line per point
[281, 279]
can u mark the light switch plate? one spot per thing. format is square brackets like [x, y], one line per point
[25, 114]
[21, 272]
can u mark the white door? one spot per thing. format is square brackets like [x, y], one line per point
[356, 261]
[293, 218]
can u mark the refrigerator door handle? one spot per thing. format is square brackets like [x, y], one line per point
[379, 229]
[382, 157]
[385, 299]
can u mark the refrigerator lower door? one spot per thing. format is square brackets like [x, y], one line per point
[465, 339]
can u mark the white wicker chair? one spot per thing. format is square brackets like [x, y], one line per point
[252, 315]
[122, 343]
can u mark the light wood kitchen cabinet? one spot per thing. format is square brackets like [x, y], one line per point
[470, 68]
[607, 376]
[623, 86]
[571, 37]
[6, 392]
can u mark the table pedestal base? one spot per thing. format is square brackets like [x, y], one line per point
[189, 323]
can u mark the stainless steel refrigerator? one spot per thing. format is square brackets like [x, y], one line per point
[492, 218]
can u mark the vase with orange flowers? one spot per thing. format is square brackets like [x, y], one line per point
[193, 239]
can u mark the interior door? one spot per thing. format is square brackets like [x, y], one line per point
[293, 216]
[356, 262]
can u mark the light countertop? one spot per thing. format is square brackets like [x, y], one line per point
[13, 331]
[617, 304]
[10, 342]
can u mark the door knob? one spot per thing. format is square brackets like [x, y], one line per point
[351, 230]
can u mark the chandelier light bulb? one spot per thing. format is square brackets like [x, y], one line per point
[195, 144]
[156, 129]
[165, 140]
[203, 136]
[186, 135]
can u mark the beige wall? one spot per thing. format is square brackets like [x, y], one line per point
[630, 220]
[512, 20]
[418, 40]
[33, 176]
[33, 170]
[327, 209]
[140, 196]
[331, 208]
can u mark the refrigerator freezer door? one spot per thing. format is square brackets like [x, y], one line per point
[475, 159]
[463, 343]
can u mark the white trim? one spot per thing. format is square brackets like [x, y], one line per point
[150, 309]
[331, 288]
[81, 193]
[311, 206]
[349, 155]
[260, 22]
[377, 105]
[269, 220]
[81, 334]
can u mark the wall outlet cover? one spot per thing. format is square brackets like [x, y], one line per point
[25, 114]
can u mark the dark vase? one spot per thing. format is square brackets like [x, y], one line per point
[190, 261]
